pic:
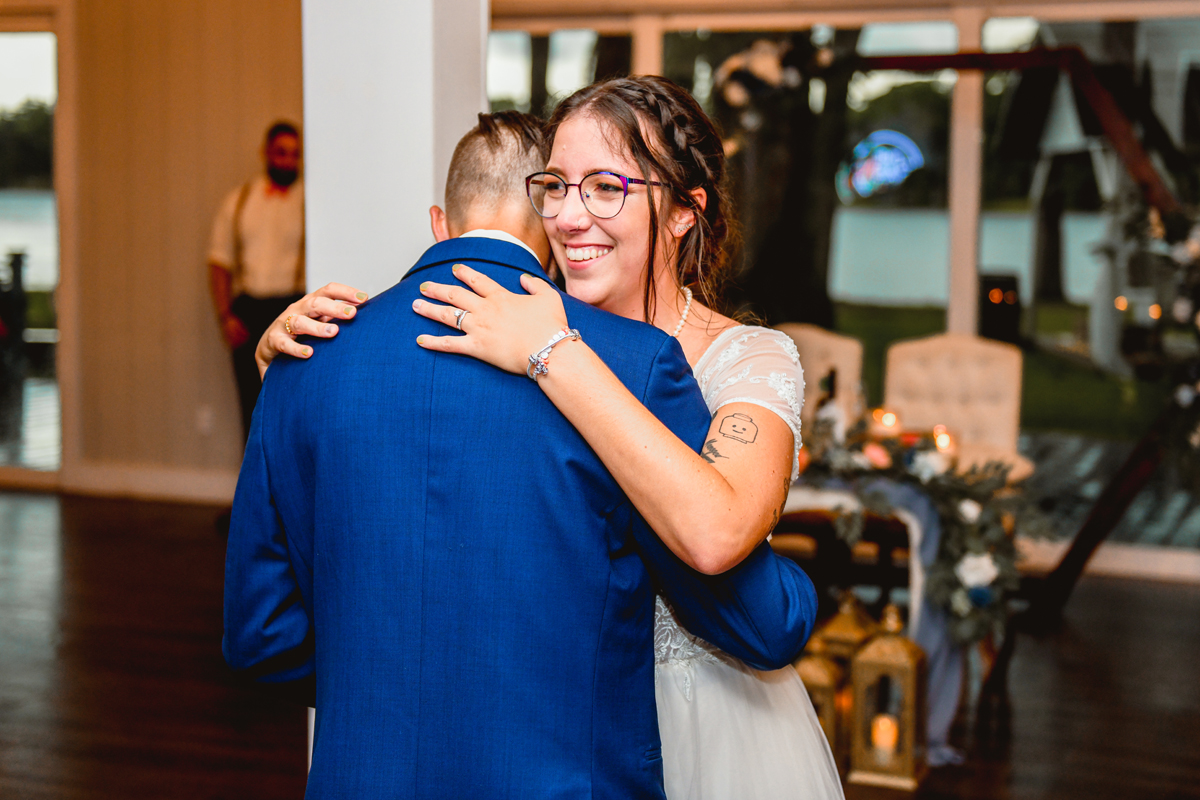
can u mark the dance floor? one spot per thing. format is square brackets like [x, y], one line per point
[112, 683]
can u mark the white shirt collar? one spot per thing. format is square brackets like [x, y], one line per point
[504, 236]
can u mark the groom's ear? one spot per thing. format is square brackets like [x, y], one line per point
[437, 222]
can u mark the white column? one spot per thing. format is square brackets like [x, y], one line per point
[966, 175]
[389, 88]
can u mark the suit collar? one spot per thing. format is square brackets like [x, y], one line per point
[493, 251]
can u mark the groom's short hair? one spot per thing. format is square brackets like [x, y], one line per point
[491, 162]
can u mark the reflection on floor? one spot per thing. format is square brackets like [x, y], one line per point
[1072, 471]
[112, 682]
[30, 426]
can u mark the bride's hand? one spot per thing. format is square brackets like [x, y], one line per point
[311, 315]
[500, 327]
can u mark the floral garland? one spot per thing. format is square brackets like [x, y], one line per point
[975, 570]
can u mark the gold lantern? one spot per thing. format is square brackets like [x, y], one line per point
[846, 631]
[888, 729]
[823, 679]
[841, 637]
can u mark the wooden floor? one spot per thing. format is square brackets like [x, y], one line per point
[1106, 707]
[112, 683]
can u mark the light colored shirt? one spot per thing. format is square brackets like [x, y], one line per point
[272, 232]
[504, 236]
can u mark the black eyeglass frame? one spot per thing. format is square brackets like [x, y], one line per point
[625, 181]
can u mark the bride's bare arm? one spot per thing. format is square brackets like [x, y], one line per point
[712, 509]
[311, 315]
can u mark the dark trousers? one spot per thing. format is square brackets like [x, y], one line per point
[257, 314]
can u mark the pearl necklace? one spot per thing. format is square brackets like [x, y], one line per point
[686, 308]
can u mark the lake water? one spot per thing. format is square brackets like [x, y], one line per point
[29, 222]
[883, 256]
[901, 257]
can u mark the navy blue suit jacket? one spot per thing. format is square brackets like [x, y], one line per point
[474, 593]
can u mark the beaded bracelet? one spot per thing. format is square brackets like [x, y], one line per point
[538, 364]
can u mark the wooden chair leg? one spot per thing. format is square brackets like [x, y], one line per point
[994, 711]
[1106, 513]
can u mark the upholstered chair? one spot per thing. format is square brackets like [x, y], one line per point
[820, 351]
[970, 385]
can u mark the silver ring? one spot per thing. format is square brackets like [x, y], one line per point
[459, 315]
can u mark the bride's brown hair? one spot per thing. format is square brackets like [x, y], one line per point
[674, 142]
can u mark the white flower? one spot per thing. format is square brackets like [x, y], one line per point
[976, 569]
[969, 510]
[927, 464]
[959, 603]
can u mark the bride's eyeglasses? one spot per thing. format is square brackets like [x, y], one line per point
[603, 193]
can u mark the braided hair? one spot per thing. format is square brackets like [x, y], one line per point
[675, 143]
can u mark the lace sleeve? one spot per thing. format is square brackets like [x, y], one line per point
[759, 366]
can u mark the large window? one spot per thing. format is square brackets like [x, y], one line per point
[29, 407]
[835, 169]
[533, 73]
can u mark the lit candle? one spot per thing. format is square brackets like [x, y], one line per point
[884, 423]
[885, 734]
[941, 438]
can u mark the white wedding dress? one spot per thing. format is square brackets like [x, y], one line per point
[730, 732]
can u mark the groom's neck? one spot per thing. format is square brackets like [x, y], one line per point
[516, 222]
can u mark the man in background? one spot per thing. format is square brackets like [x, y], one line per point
[256, 256]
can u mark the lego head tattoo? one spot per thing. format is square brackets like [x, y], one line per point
[739, 427]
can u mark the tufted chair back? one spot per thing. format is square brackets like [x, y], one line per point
[821, 351]
[970, 385]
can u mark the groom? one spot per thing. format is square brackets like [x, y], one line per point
[434, 541]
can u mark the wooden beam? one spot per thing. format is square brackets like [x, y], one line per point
[1116, 126]
[711, 20]
[966, 177]
[647, 45]
[544, 26]
[865, 10]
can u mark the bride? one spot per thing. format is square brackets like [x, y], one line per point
[634, 207]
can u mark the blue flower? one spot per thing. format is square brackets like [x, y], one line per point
[981, 596]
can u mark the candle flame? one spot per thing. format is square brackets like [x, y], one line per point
[885, 733]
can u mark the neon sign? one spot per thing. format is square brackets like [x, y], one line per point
[879, 162]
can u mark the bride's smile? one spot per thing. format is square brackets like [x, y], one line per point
[580, 254]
